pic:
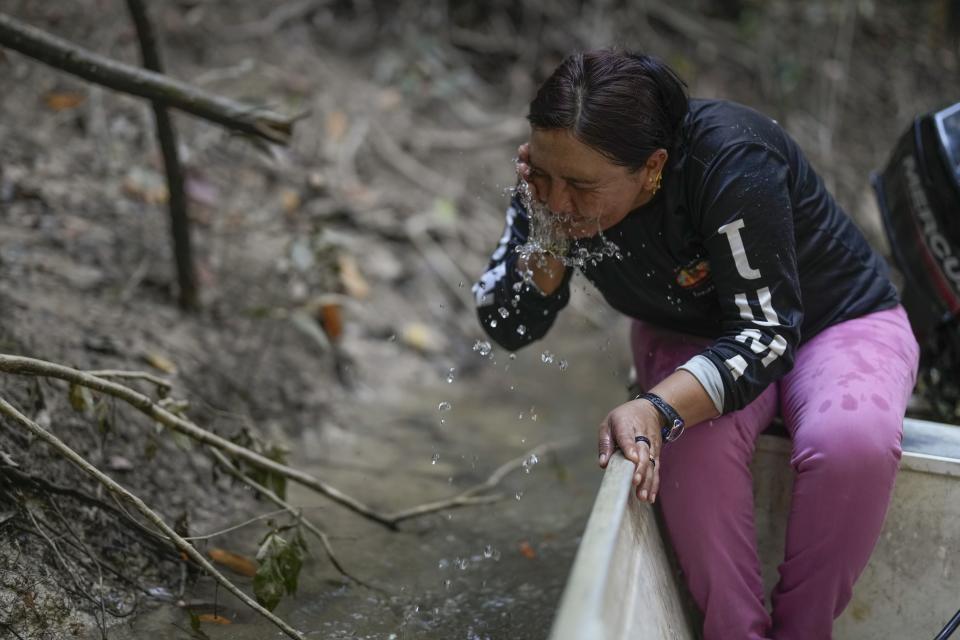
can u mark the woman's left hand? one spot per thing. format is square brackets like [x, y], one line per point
[620, 429]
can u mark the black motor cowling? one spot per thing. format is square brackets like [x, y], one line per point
[919, 197]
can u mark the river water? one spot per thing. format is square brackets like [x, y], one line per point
[485, 572]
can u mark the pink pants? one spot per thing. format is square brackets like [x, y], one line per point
[843, 405]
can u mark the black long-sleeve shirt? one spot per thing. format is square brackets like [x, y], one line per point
[743, 244]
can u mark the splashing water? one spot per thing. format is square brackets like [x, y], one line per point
[444, 406]
[521, 329]
[483, 347]
[450, 375]
[546, 233]
[547, 237]
[546, 357]
[529, 462]
[434, 458]
[563, 365]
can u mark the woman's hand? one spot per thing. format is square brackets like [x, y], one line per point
[523, 165]
[547, 270]
[619, 430]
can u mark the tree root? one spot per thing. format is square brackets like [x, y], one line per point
[58, 445]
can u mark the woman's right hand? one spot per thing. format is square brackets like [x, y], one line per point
[523, 165]
[547, 270]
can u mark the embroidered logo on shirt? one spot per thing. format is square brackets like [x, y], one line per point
[693, 274]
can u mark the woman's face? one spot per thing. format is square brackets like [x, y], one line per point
[587, 191]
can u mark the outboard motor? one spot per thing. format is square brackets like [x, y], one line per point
[919, 197]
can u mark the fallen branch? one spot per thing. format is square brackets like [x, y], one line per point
[280, 502]
[58, 445]
[162, 385]
[21, 365]
[63, 55]
[30, 366]
[469, 496]
[412, 169]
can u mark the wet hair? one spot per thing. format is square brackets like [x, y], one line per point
[625, 105]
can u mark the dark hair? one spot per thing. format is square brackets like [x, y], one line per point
[625, 105]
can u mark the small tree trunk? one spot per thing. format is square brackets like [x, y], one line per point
[167, 136]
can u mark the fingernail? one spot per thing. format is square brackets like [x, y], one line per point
[603, 458]
[643, 494]
[653, 498]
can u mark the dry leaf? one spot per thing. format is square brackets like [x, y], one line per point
[422, 338]
[119, 463]
[146, 186]
[290, 200]
[350, 277]
[160, 362]
[389, 99]
[336, 124]
[331, 319]
[237, 563]
[527, 551]
[212, 617]
[61, 101]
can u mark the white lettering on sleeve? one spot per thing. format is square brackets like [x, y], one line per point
[737, 365]
[732, 231]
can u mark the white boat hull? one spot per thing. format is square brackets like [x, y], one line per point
[621, 584]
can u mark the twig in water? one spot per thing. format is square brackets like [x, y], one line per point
[469, 496]
[243, 524]
[273, 497]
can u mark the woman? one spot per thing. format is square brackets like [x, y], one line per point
[753, 294]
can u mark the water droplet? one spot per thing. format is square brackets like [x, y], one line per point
[443, 564]
[522, 330]
[392, 337]
[488, 551]
[563, 365]
[503, 312]
[483, 348]
[533, 417]
[493, 323]
[434, 458]
[546, 357]
[450, 373]
[529, 462]
[444, 406]
[446, 585]
[460, 285]
[518, 494]
[513, 356]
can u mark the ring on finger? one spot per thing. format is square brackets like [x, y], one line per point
[643, 439]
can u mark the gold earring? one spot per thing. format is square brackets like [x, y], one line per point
[658, 184]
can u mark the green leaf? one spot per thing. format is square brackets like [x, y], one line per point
[279, 485]
[80, 397]
[444, 211]
[198, 632]
[279, 569]
[102, 409]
